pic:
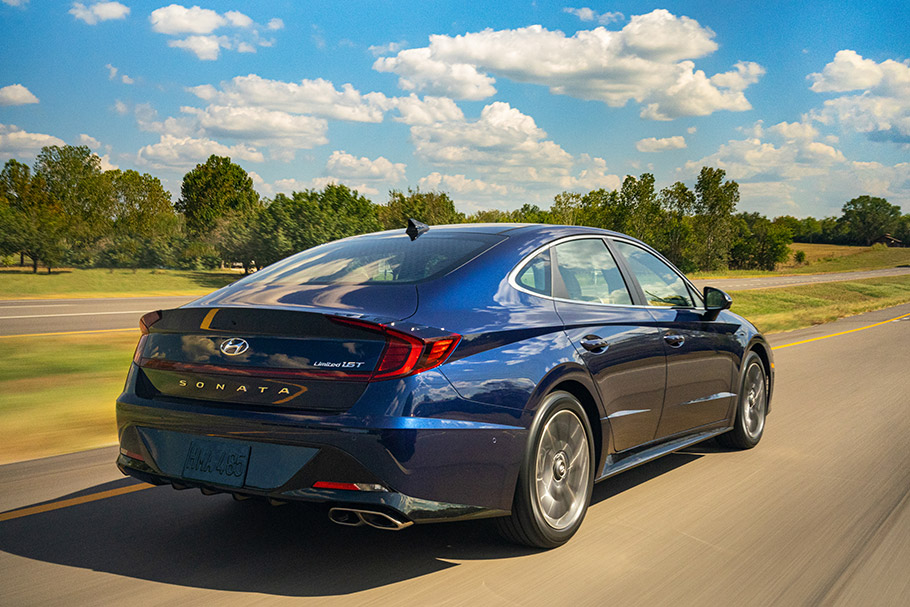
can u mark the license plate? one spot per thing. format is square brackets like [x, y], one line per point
[218, 462]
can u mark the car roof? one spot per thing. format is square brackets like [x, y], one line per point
[510, 229]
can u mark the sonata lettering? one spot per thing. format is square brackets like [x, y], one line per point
[199, 385]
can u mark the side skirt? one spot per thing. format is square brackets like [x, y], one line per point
[619, 463]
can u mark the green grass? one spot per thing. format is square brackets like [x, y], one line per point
[787, 308]
[16, 283]
[57, 393]
[839, 259]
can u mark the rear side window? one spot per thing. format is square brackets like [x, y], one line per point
[536, 275]
[377, 259]
[589, 273]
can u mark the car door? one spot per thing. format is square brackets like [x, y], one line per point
[617, 341]
[701, 359]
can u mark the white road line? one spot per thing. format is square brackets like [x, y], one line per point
[74, 314]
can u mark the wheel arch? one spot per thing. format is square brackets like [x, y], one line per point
[763, 350]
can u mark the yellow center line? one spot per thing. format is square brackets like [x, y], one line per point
[805, 341]
[69, 333]
[6, 516]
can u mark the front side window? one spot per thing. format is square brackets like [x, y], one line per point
[661, 284]
[536, 275]
[589, 273]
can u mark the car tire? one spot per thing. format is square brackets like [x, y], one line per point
[749, 418]
[556, 478]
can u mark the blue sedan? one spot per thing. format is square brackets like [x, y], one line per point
[443, 373]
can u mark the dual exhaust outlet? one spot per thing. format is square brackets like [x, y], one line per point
[354, 517]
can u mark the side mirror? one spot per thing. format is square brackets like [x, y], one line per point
[716, 300]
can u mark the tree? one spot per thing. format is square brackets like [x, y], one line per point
[215, 189]
[72, 176]
[432, 208]
[715, 203]
[760, 243]
[305, 219]
[639, 197]
[675, 235]
[31, 221]
[868, 218]
[145, 225]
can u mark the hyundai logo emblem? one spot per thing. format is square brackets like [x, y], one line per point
[234, 346]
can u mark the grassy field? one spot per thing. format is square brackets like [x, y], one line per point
[786, 308]
[825, 258]
[20, 283]
[57, 393]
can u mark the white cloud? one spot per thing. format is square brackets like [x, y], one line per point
[502, 140]
[795, 131]
[653, 144]
[185, 152]
[89, 141]
[121, 108]
[16, 94]
[881, 110]
[428, 110]
[385, 49]
[318, 97]
[588, 14]
[691, 130]
[201, 24]
[591, 174]
[296, 185]
[649, 61]
[106, 164]
[111, 71]
[176, 19]
[459, 184]
[282, 132]
[99, 11]
[206, 48]
[347, 166]
[126, 79]
[22, 145]
[15, 2]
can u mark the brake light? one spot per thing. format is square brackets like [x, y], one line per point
[406, 354]
[144, 323]
[348, 486]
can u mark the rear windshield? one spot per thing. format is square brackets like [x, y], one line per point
[381, 259]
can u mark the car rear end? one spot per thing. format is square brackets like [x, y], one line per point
[290, 388]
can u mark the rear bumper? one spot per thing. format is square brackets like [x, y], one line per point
[434, 468]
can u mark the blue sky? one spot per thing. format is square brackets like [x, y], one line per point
[805, 104]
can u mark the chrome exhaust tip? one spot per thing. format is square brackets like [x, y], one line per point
[353, 517]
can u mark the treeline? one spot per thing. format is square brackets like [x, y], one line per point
[65, 210]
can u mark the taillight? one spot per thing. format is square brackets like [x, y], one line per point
[144, 323]
[405, 354]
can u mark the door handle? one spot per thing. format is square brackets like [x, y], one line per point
[593, 343]
[674, 340]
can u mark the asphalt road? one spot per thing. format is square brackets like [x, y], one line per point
[36, 316]
[31, 316]
[817, 514]
[766, 282]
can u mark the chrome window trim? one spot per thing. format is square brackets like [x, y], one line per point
[512, 277]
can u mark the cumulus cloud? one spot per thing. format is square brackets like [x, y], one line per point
[649, 61]
[297, 185]
[89, 141]
[199, 25]
[588, 14]
[99, 11]
[318, 97]
[20, 144]
[16, 94]
[784, 169]
[428, 110]
[186, 152]
[385, 49]
[15, 2]
[653, 144]
[347, 166]
[459, 184]
[882, 108]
